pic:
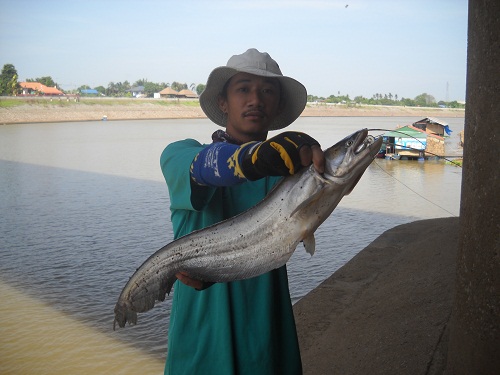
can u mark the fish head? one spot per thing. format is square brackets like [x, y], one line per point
[347, 160]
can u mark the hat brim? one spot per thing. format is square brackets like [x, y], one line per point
[294, 96]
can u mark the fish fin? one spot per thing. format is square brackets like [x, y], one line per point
[124, 314]
[310, 244]
[307, 202]
[165, 288]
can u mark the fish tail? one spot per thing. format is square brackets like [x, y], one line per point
[124, 314]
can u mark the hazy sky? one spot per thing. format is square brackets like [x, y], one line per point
[358, 47]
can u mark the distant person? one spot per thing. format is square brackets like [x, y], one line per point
[247, 326]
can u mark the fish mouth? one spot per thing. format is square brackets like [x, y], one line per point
[364, 141]
[365, 148]
[352, 154]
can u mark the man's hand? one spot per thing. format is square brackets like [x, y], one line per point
[184, 278]
[282, 155]
[313, 154]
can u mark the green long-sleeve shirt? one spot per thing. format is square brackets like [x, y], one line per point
[242, 327]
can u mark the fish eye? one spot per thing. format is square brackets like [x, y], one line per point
[349, 143]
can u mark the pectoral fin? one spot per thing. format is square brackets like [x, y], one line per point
[307, 202]
[310, 244]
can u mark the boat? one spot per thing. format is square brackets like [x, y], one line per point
[392, 156]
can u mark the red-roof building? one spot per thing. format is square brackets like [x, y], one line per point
[36, 88]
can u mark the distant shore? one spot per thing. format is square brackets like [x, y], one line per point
[55, 110]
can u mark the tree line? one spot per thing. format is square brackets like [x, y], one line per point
[10, 86]
[123, 89]
[422, 100]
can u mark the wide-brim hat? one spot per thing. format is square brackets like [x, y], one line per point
[293, 93]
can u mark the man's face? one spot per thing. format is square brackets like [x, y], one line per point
[252, 102]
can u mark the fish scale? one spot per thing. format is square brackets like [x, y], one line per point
[258, 240]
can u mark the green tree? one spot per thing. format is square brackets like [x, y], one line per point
[200, 88]
[13, 86]
[150, 88]
[118, 89]
[100, 89]
[454, 104]
[7, 77]
[407, 102]
[140, 82]
[178, 86]
[425, 100]
[110, 91]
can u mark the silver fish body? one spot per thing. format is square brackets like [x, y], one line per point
[258, 240]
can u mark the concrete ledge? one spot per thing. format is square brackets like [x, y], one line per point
[387, 310]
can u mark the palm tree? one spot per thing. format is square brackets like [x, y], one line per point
[111, 90]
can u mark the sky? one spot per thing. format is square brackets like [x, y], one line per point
[358, 47]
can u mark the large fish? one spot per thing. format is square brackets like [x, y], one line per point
[258, 240]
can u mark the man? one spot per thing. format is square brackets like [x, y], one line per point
[247, 326]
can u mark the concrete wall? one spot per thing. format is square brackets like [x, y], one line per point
[474, 346]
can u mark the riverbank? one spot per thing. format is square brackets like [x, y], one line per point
[55, 110]
[387, 310]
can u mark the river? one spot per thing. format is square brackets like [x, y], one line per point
[84, 204]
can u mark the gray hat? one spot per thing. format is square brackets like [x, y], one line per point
[294, 94]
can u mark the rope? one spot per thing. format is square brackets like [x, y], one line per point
[415, 192]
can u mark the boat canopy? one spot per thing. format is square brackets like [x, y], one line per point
[408, 131]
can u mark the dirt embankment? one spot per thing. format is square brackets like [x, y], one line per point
[62, 111]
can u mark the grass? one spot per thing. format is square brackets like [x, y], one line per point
[9, 102]
[456, 162]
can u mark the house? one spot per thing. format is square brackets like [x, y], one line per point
[432, 125]
[137, 91]
[89, 92]
[187, 94]
[36, 88]
[168, 93]
[412, 143]
[183, 94]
